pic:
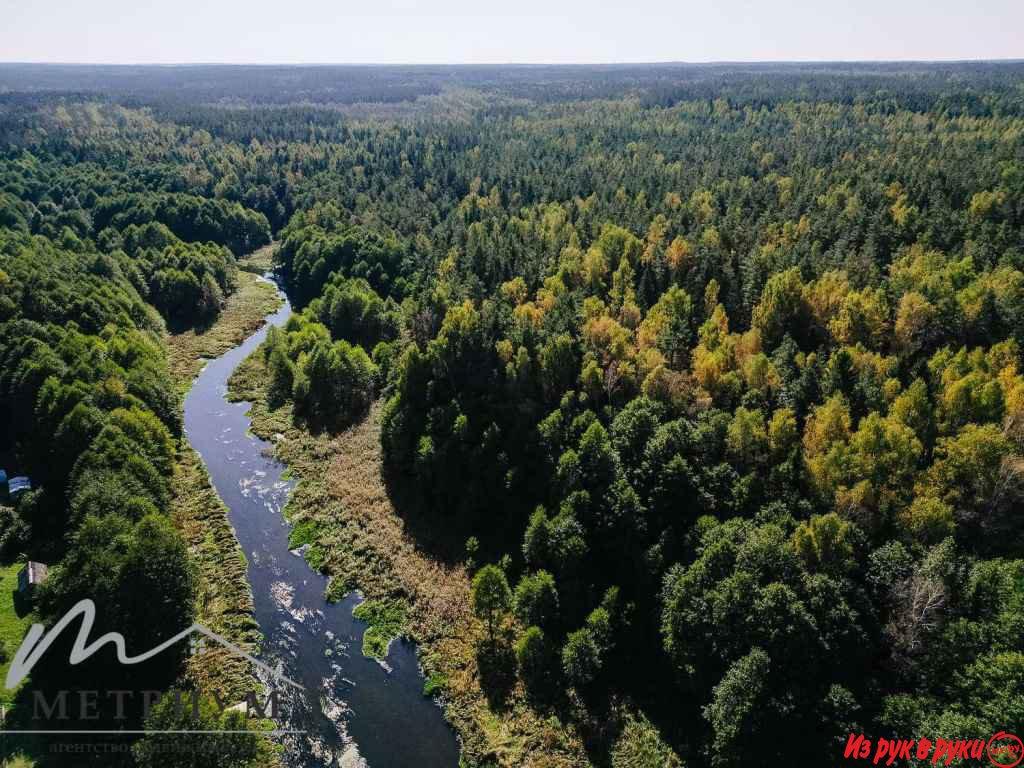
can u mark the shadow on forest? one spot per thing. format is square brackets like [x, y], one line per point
[197, 324]
[319, 426]
[442, 537]
[646, 681]
[497, 664]
[22, 602]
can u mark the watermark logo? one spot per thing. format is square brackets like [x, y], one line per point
[1005, 750]
[38, 641]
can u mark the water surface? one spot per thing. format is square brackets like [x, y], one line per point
[356, 711]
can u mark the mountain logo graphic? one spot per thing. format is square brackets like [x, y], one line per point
[38, 641]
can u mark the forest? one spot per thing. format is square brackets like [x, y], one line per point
[710, 379]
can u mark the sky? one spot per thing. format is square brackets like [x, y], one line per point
[527, 31]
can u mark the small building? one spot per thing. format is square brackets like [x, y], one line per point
[31, 576]
[17, 486]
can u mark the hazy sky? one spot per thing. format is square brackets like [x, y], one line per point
[394, 31]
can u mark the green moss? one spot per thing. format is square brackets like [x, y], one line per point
[435, 684]
[310, 533]
[316, 556]
[337, 588]
[305, 532]
[386, 620]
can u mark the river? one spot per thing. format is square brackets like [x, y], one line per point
[356, 711]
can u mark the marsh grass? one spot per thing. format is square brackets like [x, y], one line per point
[224, 600]
[259, 262]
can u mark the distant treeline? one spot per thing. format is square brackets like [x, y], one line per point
[967, 87]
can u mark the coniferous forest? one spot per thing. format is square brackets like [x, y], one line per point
[705, 382]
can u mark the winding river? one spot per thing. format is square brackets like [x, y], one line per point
[355, 711]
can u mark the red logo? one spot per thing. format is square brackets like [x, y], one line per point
[1005, 750]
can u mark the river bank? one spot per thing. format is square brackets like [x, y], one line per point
[224, 601]
[358, 538]
[352, 710]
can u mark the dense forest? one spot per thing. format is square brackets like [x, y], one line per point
[712, 375]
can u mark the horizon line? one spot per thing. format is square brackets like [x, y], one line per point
[593, 63]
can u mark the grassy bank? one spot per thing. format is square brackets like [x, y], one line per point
[342, 508]
[15, 619]
[224, 601]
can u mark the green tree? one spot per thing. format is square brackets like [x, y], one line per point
[740, 711]
[282, 377]
[491, 597]
[157, 587]
[581, 657]
[747, 438]
[782, 308]
[536, 599]
[534, 658]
